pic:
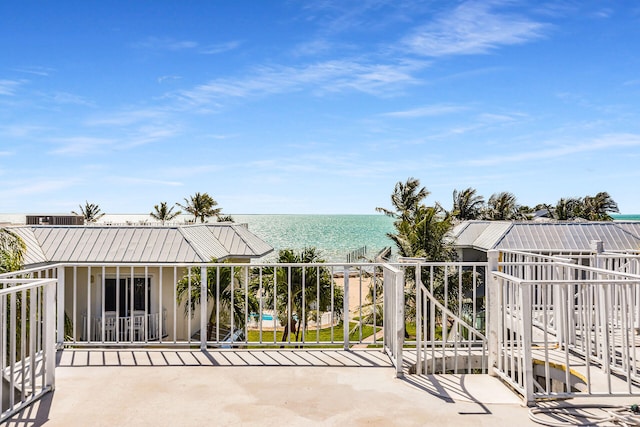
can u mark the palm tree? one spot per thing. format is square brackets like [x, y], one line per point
[90, 212]
[568, 209]
[591, 208]
[597, 208]
[225, 295]
[544, 210]
[466, 204]
[502, 206]
[420, 229]
[163, 213]
[424, 237]
[405, 199]
[201, 206]
[12, 250]
[298, 300]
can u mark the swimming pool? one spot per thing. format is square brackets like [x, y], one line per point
[265, 316]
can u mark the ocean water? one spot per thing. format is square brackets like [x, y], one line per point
[633, 217]
[334, 235]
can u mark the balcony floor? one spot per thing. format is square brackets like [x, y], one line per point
[262, 387]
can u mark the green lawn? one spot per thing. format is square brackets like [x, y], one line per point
[312, 336]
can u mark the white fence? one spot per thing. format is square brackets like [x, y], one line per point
[450, 318]
[565, 328]
[550, 326]
[245, 305]
[394, 316]
[27, 341]
[113, 328]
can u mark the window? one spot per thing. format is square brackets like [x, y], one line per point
[123, 295]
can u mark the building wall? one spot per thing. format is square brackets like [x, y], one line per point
[471, 255]
[86, 283]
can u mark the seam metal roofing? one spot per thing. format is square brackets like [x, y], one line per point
[130, 244]
[548, 236]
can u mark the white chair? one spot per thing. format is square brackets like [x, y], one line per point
[109, 326]
[138, 325]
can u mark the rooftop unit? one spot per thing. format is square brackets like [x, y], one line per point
[55, 220]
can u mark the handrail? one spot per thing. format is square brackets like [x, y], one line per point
[452, 314]
[539, 255]
[28, 354]
[32, 283]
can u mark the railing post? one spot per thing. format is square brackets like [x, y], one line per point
[49, 337]
[399, 285]
[559, 307]
[203, 309]
[419, 322]
[492, 323]
[345, 308]
[60, 306]
[527, 358]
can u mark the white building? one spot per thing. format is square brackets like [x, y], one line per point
[473, 239]
[127, 275]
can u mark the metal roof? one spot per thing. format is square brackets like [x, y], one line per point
[130, 244]
[34, 254]
[492, 233]
[466, 232]
[549, 236]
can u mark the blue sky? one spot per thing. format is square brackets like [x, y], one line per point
[315, 106]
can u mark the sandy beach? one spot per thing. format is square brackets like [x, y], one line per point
[358, 290]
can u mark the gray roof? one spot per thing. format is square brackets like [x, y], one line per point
[130, 244]
[547, 236]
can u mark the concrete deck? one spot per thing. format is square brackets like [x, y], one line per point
[262, 387]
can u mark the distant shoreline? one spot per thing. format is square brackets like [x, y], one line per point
[629, 217]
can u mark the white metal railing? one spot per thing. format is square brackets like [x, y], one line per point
[394, 316]
[27, 341]
[450, 318]
[246, 305]
[565, 327]
[139, 327]
[555, 325]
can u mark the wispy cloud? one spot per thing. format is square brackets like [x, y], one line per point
[162, 79]
[215, 49]
[68, 98]
[603, 13]
[335, 17]
[126, 117]
[38, 71]
[155, 43]
[9, 87]
[320, 78]
[221, 137]
[323, 164]
[190, 171]
[604, 143]
[473, 27]
[35, 186]
[80, 144]
[312, 48]
[149, 134]
[20, 130]
[145, 181]
[427, 111]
